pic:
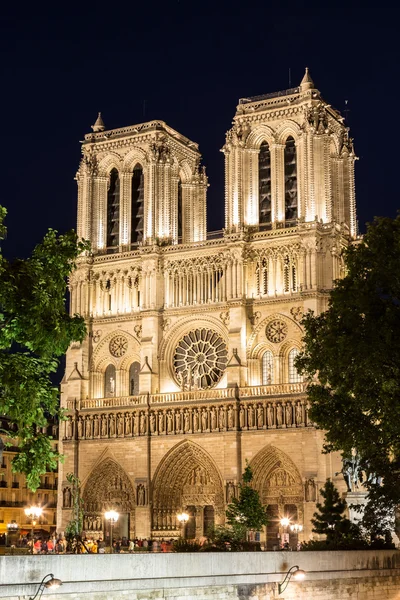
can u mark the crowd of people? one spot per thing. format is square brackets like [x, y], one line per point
[58, 545]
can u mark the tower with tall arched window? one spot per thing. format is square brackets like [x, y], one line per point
[189, 365]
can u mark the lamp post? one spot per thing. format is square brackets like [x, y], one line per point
[50, 583]
[12, 529]
[285, 522]
[33, 512]
[296, 573]
[112, 516]
[183, 518]
[296, 528]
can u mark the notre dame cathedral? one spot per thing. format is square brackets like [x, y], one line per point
[188, 369]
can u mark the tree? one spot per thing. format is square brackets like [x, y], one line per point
[73, 530]
[246, 512]
[329, 520]
[35, 330]
[352, 360]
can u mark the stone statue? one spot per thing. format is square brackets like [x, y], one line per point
[68, 428]
[88, 427]
[250, 416]
[204, 419]
[351, 471]
[104, 426]
[112, 425]
[112, 385]
[288, 414]
[213, 419]
[299, 413]
[241, 417]
[142, 423]
[160, 422]
[195, 420]
[169, 422]
[230, 418]
[279, 415]
[186, 421]
[67, 498]
[80, 427]
[152, 421]
[127, 424]
[270, 415]
[230, 491]
[260, 416]
[120, 425]
[140, 495]
[221, 418]
[96, 426]
[177, 421]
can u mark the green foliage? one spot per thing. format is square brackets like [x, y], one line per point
[182, 545]
[330, 520]
[35, 330]
[74, 528]
[352, 360]
[246, 512]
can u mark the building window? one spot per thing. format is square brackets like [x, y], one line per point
[290, 182]
[134, 370]
[264, 183]
[289, 275]
[109, 382]
[262, 277]
[113, 209]
[180, 212]
[294, 376]
[137, 205]
[267, 368]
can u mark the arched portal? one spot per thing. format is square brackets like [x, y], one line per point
[187, 479]
[277, 480]
[109, 488]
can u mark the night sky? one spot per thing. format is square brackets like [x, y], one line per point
[187, 63]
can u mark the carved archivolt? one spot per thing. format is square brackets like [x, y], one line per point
[276, 477]
[108, 487]
[187, 476]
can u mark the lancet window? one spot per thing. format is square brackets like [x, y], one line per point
[264, 183]
[113, 202]
[134, 370]
[294, 375]
[291, 212]
[262, 277]
[289, 275]
[180, 212]
[137, 205]
[109, 381]
[267, 368]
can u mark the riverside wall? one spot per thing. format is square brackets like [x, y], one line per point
[369, 575]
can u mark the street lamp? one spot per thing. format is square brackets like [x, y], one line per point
[296, 528]
[296, 573]
[50, 583]
[285, 522]
[12, 529]
[183, 518]
[112, 516]
[33, 512]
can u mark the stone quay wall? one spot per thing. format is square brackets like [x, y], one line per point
[369, 575]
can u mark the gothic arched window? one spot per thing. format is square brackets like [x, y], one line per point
[137, 205]
[262, 277]
[180, 212]
[264, 183]
[134, 370]
[291, 212]
[289, 275]
[113, 209]
[109, 381]
[294, 375]
[267, 368]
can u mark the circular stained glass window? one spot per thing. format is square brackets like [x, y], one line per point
[200, 359]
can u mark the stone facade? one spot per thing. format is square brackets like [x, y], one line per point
[188, 367]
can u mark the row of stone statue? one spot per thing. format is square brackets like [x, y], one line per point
[189, 420]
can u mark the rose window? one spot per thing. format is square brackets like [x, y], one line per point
[200, 359]
[118, 345]
[276, 331]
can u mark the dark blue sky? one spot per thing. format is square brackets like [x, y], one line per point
[189, 61]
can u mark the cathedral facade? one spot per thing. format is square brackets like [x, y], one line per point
[188, 370]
